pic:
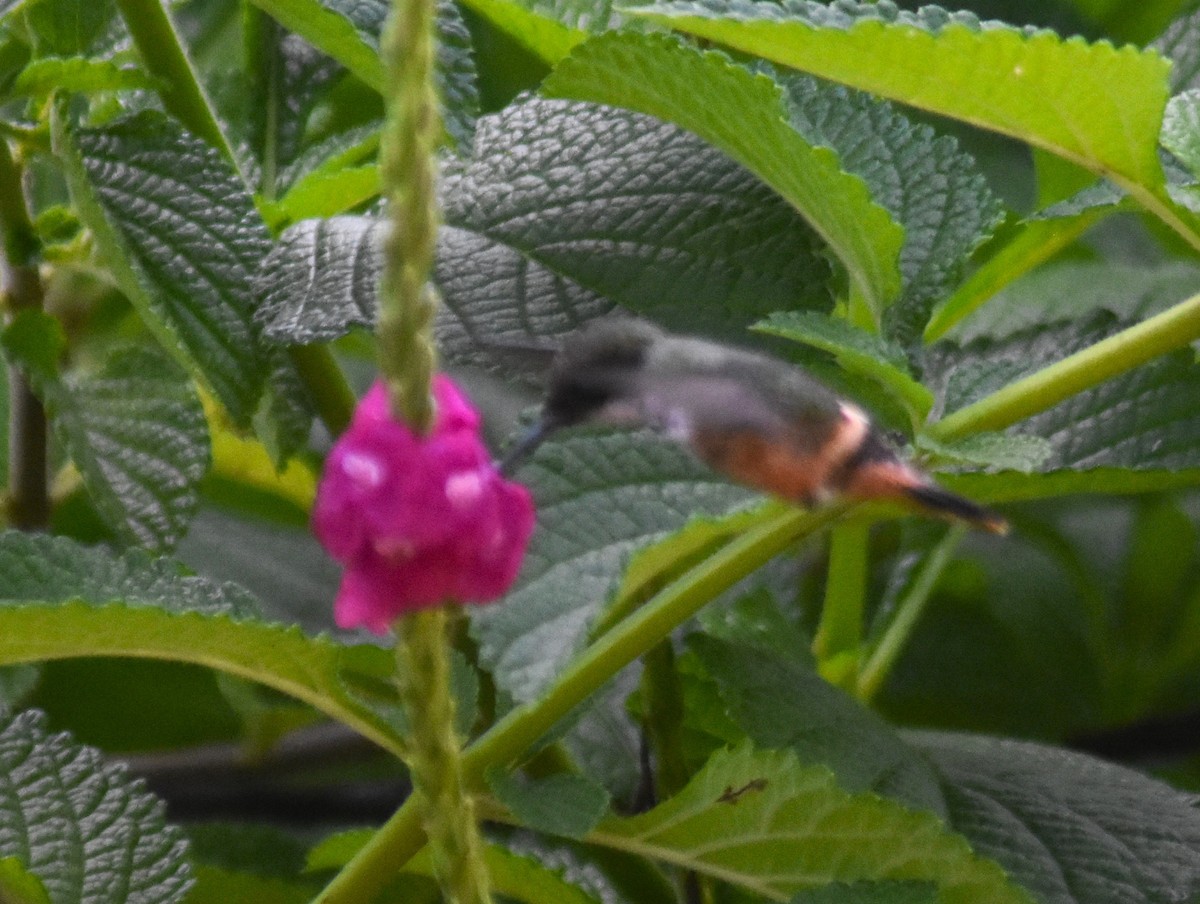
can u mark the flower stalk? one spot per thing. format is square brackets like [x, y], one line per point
[407, 303]
[28, 504]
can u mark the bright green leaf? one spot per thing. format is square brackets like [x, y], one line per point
[763, 822]
[179, 234]
[1104, 114]
[748, 117]
[68, 601]
[538, 32]
[18, 885]
[82, 827]
[80, 75]
[66, 28]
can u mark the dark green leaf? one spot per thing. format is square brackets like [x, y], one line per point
[749, 117]
[36, 567]
[1146, 419]
[599, 499]
[926, 182]
[137, 433]
[1072, 829]
[320, 279]
[857, 351]
[563, 804]
[1181, 129]
[65, 28]
[348, 31]
[1002, 451]
[781, 703]
[284, 420]
[179, 234]
[82, 827]
[871, 893]
[35, 341]
[552, 223]
[218, 886]
[1180, 43]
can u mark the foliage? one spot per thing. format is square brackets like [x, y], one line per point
[987, 233]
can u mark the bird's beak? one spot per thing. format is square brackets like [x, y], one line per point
[524, 446]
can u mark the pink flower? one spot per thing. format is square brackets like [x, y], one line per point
[418, 521]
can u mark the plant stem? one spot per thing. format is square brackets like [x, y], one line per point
[21, 290]
[435, 758]
[408, 143]
[401, 837]
[908, 614]
[845, 589]
[1165, 332]
[158, 45]
[326, 385]
[662, 694]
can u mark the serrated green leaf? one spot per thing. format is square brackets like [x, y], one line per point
[512, 875]
[179, 233]
[56, 569]
[1146, 418]
[782, 703]
[563, 804]
[552, 223]
[857, 351]
[761, 821]
[284, 420]
[1181, 129]
[137, 433]
[599, 499]
[748, 117]
[539, 33]
[80, 75]
[1180, 43]
[1072, 829]
[1105, 116]
[18, 885]
[320, 279]
[930, 187]
[82, 827]
[348, 31]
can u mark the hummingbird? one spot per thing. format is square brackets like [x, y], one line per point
[760, 422]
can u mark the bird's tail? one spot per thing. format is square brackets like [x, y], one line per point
[942, 502]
